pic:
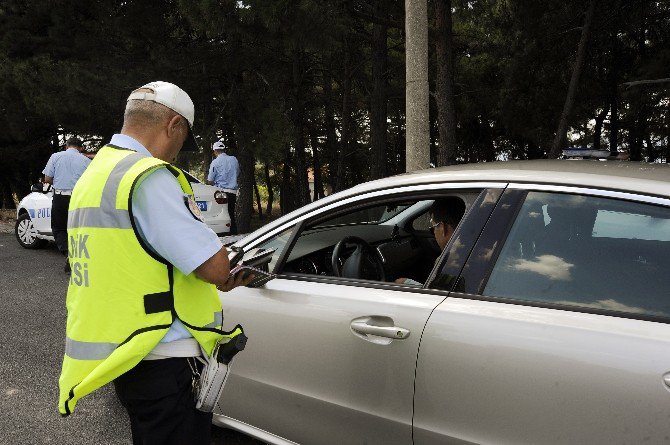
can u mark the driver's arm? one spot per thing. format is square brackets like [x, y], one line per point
[408, 282]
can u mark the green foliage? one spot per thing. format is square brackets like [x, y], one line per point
[289, 82]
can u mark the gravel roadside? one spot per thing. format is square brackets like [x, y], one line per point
[32, 293]
[7, 220]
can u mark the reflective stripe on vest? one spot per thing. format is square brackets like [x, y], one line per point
[86, 350]
[107, 215]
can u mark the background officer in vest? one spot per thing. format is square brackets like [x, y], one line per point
[62, 171]
[223, 173]
[157, 392]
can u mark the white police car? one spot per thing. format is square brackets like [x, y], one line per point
[33, 214]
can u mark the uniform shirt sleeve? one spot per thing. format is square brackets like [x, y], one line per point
[211, 175]
[168, 227]
[50, 168]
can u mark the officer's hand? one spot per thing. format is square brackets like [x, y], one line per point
[239, 279]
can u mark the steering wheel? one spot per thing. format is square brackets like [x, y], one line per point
[354, 266]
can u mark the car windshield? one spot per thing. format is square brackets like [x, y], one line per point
[369, 215]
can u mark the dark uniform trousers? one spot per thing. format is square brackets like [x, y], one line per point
[232, 198]
[158, 396]
[59, 206]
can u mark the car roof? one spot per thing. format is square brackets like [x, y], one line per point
[634, 177]
[625, 176]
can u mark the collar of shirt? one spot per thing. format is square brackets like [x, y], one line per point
[72, 150]
[125, 141]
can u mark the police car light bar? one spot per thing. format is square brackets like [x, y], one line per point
[586, 153]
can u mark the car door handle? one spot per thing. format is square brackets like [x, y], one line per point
[363, 326]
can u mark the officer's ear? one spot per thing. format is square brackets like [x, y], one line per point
[175, 126]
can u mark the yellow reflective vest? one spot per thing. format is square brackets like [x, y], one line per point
[123, 297]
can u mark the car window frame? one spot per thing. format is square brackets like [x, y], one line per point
[497, 230]
[423, 191]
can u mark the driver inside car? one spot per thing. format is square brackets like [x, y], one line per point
[445, 214]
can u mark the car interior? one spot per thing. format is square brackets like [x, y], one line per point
[380, 241]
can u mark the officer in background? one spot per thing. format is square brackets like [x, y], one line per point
[142, 300]
[62, 171]
[223, 173]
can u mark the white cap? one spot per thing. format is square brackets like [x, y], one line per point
[218, 145]
[173, 97]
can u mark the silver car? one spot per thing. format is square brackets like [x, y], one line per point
[544, 320]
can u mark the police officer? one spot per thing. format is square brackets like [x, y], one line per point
[142, 300]
[62, 171]
[223, 173]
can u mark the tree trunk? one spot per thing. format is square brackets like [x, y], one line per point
[5, 189]
[417, 153]
[318, 185]
[246, 189]
[639, 130]
[614, 96]
[651, 151]
[598, 129]
[271, 193]
[205, 116]
[285, 193]
[446, 110]
[534, 151]
[399, 143]
[302, 189]
[614, 124]
[331, 137]
[378, 99]
[560, 140]
[258, 199]
[346, 121]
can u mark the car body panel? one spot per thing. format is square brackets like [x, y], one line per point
[216, 215]
[353, 391]
[38, 206]
[485, 365]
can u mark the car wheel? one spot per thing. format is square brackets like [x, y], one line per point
[26, 234]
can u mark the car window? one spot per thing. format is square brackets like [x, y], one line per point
[368, 215]
[313, 251]
[422, 222]
[588, 252]
[277, 242]
[374, 242]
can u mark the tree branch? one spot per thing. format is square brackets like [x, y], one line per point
[644, 82]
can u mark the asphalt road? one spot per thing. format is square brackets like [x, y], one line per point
[32, 333]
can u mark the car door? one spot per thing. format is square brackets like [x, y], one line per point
[557, 335]
[39, 208]
[310, 373]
